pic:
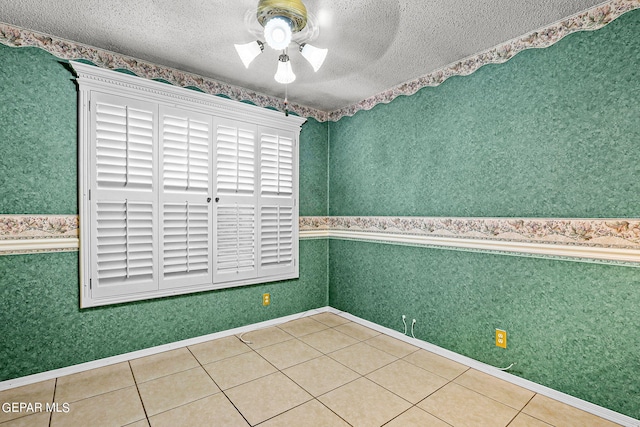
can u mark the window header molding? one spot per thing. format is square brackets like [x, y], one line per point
[94, 77]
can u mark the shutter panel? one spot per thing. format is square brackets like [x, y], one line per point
[276, 236]
[278, 210]
[236, 211]
[276, 164]
[185, 159]
[235, 158]
[236, 242]
[124, 144]
[186, 214]
[185, 246]
[123, 207]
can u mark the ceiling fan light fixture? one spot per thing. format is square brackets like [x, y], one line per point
[315, 56]
[249, 51]
[277, 32]
[284, 74]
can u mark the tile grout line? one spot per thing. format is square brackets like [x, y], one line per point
[219, 388]
[55, 388]
[323, 354]
[144, 409]
[360, 376]
[536, 418]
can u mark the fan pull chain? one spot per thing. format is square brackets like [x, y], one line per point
[286, 100]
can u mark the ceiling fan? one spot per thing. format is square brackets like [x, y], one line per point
[280, 23]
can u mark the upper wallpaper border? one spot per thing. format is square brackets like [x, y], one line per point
[589, 20]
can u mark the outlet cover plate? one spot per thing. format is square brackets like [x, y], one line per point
[501, 338]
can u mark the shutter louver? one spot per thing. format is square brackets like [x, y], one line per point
[124, 146]
[186, 238]
[276, 236]
[276, 165]
[235, 243]
[125, 247]
[235, 160]
[186, 154]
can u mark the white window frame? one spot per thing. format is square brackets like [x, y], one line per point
[97, 83]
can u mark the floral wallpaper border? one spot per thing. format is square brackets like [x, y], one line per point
[607, 240]
[600, 233]
[24, 234]
[592, 19]
[14, 36]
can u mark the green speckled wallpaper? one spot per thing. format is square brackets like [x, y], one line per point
[40, 323]
[571, 326]
[42, 327]
[551, 133]
[38, 143]
[313, 168]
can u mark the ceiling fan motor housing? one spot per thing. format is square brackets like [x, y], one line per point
[293, 10]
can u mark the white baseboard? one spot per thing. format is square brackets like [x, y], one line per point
[600, 411]
[74, 369]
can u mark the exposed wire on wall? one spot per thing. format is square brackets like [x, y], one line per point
[412, 324]
[405, 323]
[507, 368]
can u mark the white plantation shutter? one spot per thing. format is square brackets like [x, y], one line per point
[123, 205]
[278, 208]
[180, 191]
[236, 204]
[185, 237]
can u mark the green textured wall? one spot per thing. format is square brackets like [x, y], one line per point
[41, 325]
[314, 168]
[553, 133]
[537, 136]
[38, 143]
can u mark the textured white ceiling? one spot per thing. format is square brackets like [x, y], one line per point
[373, 44]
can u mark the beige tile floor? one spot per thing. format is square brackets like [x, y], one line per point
[321, 370]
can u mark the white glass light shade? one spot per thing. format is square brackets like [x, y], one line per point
[314, 55]
[284, 74]
[249, 51]
[277, 33]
